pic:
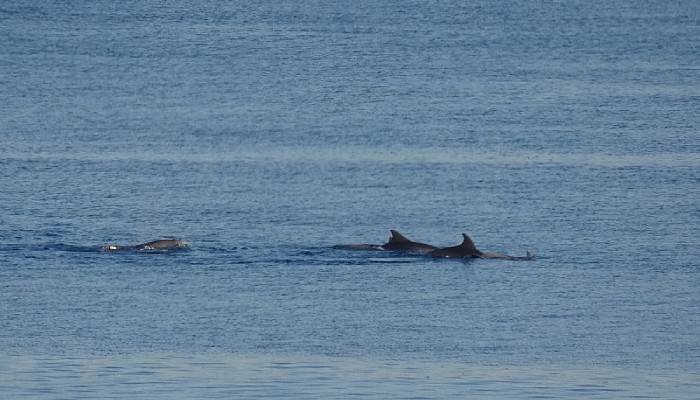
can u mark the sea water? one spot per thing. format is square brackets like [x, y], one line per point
[264, 133]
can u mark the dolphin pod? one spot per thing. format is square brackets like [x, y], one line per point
[399, 243]
[162, 245]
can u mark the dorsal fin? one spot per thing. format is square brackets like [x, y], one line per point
[397, 237]
[469, 245]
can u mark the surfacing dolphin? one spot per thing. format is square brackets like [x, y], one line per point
[468, 250]
[162, 245]
[397, 242]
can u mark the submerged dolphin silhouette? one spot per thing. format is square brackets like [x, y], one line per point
[468, 250]
[162, 244]
[397, 242]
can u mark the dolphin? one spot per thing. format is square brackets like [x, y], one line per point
[161, 244]
[397, 242]
[468, 250]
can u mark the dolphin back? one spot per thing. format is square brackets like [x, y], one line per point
[163, 244]
[465, 250]
[399, 242]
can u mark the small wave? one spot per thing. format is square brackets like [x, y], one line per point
[50, 247]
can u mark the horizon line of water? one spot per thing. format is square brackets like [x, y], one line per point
[352, 154]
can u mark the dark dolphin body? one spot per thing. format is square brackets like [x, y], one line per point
[397, 242]
[468, 250]
[162, 245]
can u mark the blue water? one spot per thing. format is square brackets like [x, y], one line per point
[266, 133]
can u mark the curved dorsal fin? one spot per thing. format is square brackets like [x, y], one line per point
[468, 244]
[397, 237]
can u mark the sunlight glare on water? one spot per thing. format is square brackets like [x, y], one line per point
[290, 377]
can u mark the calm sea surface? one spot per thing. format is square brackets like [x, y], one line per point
[266, 132]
